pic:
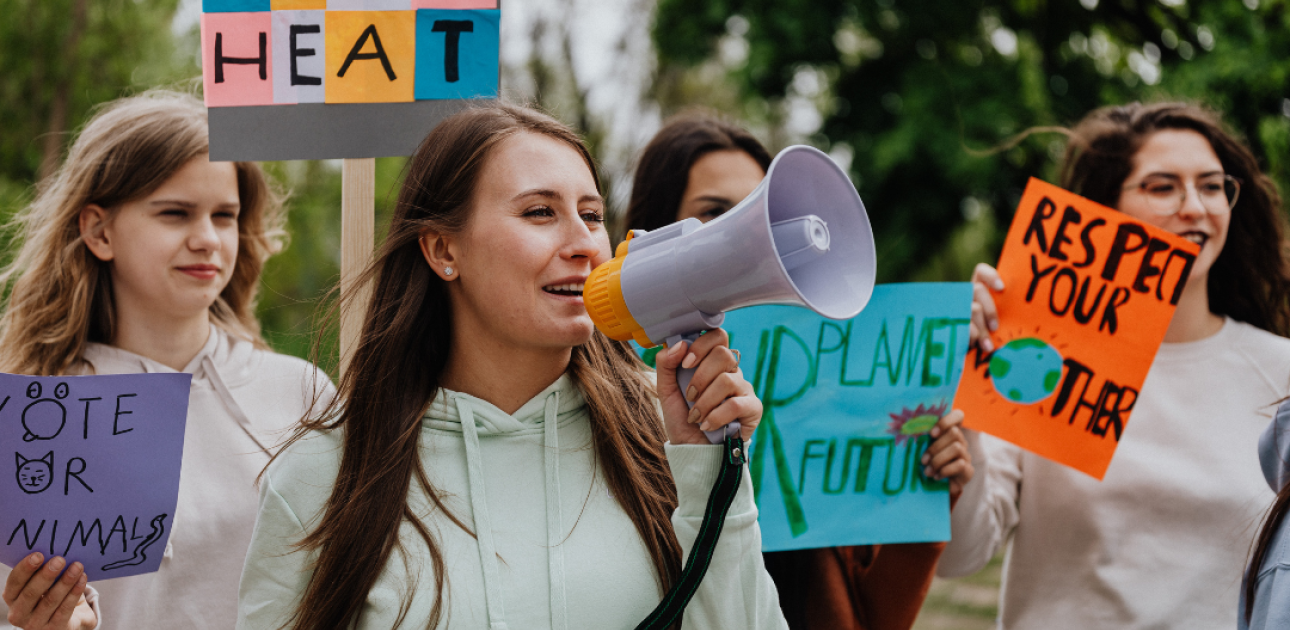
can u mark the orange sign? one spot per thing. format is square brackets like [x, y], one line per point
[1089, 293]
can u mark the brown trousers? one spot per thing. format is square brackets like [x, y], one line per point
[869, 587]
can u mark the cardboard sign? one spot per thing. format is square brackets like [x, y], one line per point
[270, 66]
[96, 468]
[848, 404]
[1089, 294]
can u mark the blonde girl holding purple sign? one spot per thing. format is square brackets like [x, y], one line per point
[142, 255]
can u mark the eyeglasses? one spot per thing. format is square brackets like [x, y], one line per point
[1166, 194]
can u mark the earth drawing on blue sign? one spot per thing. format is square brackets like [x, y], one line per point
[1026, 370]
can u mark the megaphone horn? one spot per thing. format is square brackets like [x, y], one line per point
[802, 237]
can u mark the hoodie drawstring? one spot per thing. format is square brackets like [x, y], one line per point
[554, 517]
[230, 403]
[483, 525]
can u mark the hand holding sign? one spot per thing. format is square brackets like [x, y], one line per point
[1090, 294]
[96, 468]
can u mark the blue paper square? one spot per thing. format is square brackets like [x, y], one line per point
[235, 6]
[473, 35]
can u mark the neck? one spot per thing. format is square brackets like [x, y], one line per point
[169, 341]
[1193, 320]
[502, 374]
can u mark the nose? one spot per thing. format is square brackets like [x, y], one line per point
[580, 241]
[1193, 207]
[203, 236]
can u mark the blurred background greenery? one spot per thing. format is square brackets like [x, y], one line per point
[921, 101]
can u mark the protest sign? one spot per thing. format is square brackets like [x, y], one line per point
[848, 404]
[1089, 294]
[96, 468]
[317, 79]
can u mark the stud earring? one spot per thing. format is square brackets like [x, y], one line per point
[447, 271]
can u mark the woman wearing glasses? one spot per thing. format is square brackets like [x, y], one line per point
[1162, 540]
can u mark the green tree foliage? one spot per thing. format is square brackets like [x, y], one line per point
[63, 57]
[927, 96]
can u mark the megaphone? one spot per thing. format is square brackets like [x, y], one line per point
[802, 237]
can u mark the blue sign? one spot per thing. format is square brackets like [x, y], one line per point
[848, 404]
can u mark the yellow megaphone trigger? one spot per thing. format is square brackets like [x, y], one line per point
[603, 295]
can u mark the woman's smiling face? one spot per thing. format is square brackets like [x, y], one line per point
[1184, 157]
[536, 230]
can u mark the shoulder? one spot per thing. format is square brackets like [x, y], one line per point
[1266, 353]
[304, 473]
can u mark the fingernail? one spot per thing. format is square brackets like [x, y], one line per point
[998, 285]
[690, 393]
[75, 569]
[927, 472]
[56, 564]
[689, 361]
[924, 459]
[671, 352]
[694, 416]
[705, 426]
[987, 345]
[35, 559]
[935, 432]
[994, 325]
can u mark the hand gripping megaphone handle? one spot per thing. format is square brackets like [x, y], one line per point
[683, 376]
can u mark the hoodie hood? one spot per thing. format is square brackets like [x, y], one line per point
[1274, 448]
[222, 363]
[445, 414]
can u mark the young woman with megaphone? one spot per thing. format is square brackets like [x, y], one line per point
[491, 460]
[701, 167]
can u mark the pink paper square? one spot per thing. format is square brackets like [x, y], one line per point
[246, 43]
[454, 4]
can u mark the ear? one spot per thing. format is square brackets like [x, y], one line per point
[48, 459]
[439, 251]
[93, 223]
[21, 460]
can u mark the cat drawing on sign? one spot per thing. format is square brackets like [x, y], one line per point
[139, 557]
[35, 475]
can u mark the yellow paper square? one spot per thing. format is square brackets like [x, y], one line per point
[367, 77]
[298, 5]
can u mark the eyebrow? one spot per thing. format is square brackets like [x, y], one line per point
[1176, 176]
[716, 198]
[188, 204]
[547, 193]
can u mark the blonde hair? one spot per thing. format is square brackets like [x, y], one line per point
[60, 294]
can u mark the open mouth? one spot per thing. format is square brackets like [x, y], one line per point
[1199, 238]
[569, 290]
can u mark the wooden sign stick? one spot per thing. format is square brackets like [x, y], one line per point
[357, 236]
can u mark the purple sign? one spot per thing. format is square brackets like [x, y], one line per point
[95, 468]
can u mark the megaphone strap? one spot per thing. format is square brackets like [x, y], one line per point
[669, 611]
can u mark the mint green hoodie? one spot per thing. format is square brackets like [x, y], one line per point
[555, 550]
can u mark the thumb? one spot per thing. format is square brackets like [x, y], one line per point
[666, 363]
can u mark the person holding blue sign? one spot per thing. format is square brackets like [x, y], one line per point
[491, 459]
[142, 255]
[1161, 540]
[700, 166]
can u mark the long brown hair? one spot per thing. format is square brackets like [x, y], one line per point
[403, 349]
[61, 294]
[1248, 281]
[664, 169]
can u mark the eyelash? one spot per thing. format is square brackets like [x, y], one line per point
[546, 211]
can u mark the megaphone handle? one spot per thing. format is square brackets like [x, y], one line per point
[683, 376]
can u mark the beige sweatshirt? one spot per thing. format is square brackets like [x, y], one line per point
[242, 401]
[1159, 543]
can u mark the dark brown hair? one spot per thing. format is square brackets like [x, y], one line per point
[1248, 281]
[664, 169]
[397, 368]
[60, 294]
